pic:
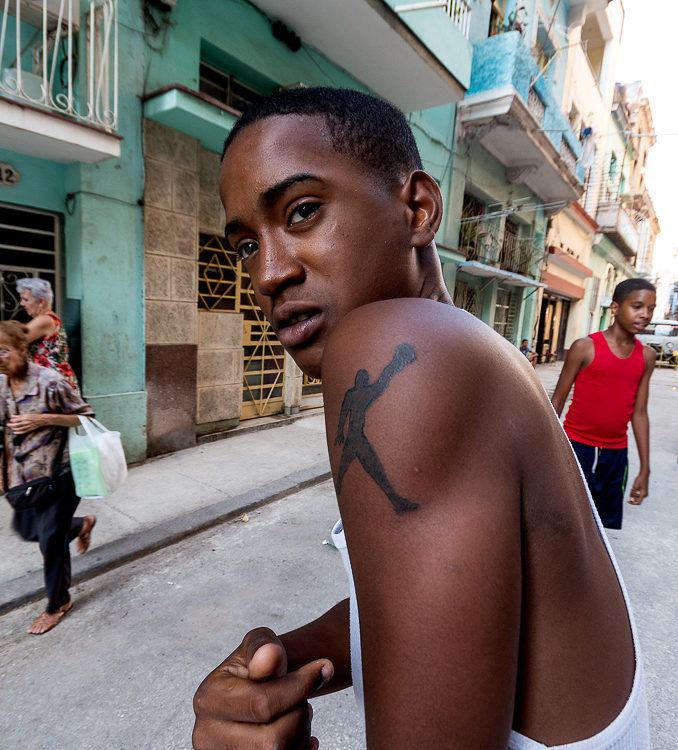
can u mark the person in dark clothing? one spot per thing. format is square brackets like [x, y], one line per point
[37, 406]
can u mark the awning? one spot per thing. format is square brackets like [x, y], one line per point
[473, 268]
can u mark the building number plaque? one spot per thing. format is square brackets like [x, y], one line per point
[8, 175]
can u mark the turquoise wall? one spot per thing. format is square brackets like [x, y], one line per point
[442, 37]
[106, 254]
[42, 184]
[239, 37]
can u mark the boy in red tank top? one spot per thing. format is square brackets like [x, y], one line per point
[611, 374]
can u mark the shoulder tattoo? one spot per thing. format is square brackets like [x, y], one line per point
[356, 444]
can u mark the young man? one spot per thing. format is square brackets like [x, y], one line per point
[611, 373]
[490, 612]
[528, 352]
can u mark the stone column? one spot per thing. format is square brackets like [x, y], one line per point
[171, 248]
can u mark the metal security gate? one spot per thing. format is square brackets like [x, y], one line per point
[29, 246]
[225, 286]
[311, 393]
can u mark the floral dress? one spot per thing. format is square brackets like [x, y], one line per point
[52, 351]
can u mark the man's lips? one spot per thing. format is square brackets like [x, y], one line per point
[295, 325]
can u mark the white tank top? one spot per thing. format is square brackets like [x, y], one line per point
[629, 731]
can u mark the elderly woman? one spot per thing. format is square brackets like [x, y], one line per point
[36, 407]
[46, 333]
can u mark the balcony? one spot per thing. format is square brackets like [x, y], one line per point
[480, 241]
[615, 222]
[414, 58]
[509, 109]
[59, 79]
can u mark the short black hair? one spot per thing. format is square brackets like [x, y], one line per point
[363, 126]
[625, 288]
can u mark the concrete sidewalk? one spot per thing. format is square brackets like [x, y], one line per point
[170, 497]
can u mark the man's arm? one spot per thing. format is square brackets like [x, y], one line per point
[339, 439]
[579, 355]
[433, 583]
[640, 422]
[259, 693]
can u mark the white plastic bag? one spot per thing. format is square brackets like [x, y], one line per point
[97, 459]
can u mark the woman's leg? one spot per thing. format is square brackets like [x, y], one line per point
[55, 536]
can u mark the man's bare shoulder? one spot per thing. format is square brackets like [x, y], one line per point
[448, 330]
[582, 345]
[463, 372]
[650, 355]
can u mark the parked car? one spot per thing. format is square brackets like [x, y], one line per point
[662, 336]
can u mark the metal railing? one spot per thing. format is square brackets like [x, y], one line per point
[536, 106]
[43, 44]
[517, 254]
[568, 155]
[479, 240]
[458, 10]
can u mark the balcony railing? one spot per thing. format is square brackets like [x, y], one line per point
[62, 56]
[517, 254]
[460, 12]
[614, 221]
[536, 106]
[479, 241]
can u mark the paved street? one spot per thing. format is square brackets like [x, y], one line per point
[119, 673]
[121, 670]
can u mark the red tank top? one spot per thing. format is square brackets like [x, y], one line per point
[604, 396]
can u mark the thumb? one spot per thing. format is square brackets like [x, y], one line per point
[266, 655]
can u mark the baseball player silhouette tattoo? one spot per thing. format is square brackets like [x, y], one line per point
[354, 407]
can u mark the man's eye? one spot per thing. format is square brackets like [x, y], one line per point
[245, 249]
[302, 212]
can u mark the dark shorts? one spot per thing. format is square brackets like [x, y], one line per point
[605, 471]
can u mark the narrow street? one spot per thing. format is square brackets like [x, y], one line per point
[121, 670]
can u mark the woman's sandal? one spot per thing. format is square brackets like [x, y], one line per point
[47, 621]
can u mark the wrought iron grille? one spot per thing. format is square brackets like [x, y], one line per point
[224, 285]
[536, 106]
[568, 155]
[467, 298]
[29, 246]
[311, 392]
[64, 57]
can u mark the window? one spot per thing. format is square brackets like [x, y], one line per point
[593, 42]
[543, 50]
[225, 88]
[29, 246]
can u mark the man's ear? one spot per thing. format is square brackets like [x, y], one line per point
[425, 203]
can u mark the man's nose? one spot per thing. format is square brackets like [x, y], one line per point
[278, 266]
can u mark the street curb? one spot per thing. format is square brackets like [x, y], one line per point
[30, 586]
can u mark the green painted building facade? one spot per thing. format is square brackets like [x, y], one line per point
[159, 317]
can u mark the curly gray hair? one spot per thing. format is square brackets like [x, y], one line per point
[37, 288]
